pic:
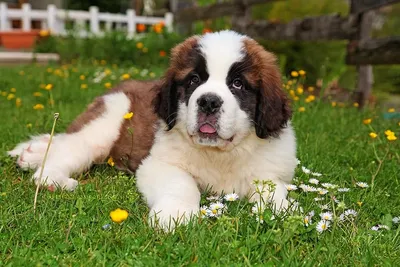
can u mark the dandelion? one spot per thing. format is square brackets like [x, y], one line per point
[48, 87]
[391, 137]
[391, 110]
[291, 187]
[231, 197]
[310, 98]
[356, 105]
[37, 94]
[118, 215]
[4, 93]
[322, 226]
[10, 96]
[302, 72]
[367, 121]
[305, 170]
[125, 76]
[389, 133]
[84, 86]
[110, 161]
[362, 184]
[396, 220]
[294, 74]
[13, 90]
[327, 216]
[108, 85]
[296, 98]
[38, 107]
[333, 104]
[373, 135]
[310, 89]
[359, 203]
[299, 90]
[345, 189]
[128, 115]
[163, 53]
[18, 102]
[82, 77]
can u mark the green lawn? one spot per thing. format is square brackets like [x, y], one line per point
[67, 229]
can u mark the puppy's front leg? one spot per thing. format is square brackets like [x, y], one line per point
[171, 193]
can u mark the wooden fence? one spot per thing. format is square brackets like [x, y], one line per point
[356, 27]
[85, 22]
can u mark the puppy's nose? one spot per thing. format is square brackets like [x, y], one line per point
[209, 103]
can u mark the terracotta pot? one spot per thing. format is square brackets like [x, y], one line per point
[19, 39]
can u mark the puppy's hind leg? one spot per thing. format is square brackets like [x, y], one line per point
[91, 138]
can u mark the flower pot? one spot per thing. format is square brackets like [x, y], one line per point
[19, 39]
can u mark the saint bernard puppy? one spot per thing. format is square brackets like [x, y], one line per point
[218, 119]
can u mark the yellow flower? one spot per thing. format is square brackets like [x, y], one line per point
[37, 94]
[302, 72]
[128, 116]
[125, 76]
[290, 82]
[118, 215]
[110, 161]
[310, 98]
[300, 90]
[145, 50]
[152, 74]
[139, 45]
[84, 86]
[294, 74]
[310, 89]
[391, 110]
[292, 93]
[107, 71]
[391, 137]
[4, 93]
[296, 98]
[355, 104]
[373, 135]
[389, 132]
[359, 203]
[38, 107]
[10, 96]
[333, 104]
[21, 73]
[48, 87]
[44, 33]
[302, 109]
[13, 90]
[108, 85]
[18, 102]
[82, 77]
[367, 121]
[29, 125]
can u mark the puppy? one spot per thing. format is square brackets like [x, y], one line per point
[218, 119]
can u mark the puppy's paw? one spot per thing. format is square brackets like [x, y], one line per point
[54, 178]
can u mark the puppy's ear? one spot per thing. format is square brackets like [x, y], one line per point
[167, 102]
[273, 108]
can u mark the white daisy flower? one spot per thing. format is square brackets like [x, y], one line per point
[305, 170]
[298, 161]
[322, 226]
[260, 219]
[313, 181]
[327, 216]
[324, 207]
[217, 206]
[316, 174]
[322, 191]
[256, 209]
[345, 189]
[291, 187]
[362, 185]
[307, 220]
[375, 228]
[204, 211]
[311, 213]
[350, 213]
[213, 198]
[329, 185]
[214, 213]
[307, 188]
[231, 197]
[318, 199]
[396, 220]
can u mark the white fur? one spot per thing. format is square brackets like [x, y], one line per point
[73, 153]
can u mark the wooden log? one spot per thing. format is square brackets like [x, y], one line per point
[216, 10]
[328, 27]
[374, 51]
[360, 6]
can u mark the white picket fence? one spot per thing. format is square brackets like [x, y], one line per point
[84, 22]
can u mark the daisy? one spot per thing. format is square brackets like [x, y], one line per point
[291, 187]
[322, 191]
[379, 227]
[313, 181]
[326, 216]
[396, 220]
[316, 174]
[348, 214]
[345, 189]
[231, 197]
[213, 198]
[204, 210]
[362, 184]
[307, 220]
[375, 228]
[323, 226]
[305, 170]
[324, 207]
[318, 199]
[256, 209]
[217, 206]
[311, 213]
[329, 185]
[298, 161]
[307, 188]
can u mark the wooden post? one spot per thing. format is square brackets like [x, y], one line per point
[94, 20]
[3, 17]
[130, 13]
[169, 21]
[52, 19]
[26, 17]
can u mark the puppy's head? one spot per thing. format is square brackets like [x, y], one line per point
[221, 87]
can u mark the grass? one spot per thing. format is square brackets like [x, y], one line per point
[68, 227]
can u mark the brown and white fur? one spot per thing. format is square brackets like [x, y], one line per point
[218, 118]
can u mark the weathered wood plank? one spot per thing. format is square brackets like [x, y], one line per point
[218, 10]
[328, 27]
[359, 6]
[374, 51]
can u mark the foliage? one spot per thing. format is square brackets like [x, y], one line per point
[70, 227]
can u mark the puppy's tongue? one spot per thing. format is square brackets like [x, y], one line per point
[207, 128]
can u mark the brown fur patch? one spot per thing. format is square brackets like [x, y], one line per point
[273, 110]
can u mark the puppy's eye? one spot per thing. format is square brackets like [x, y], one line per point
[195, 79]
[237, 83]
